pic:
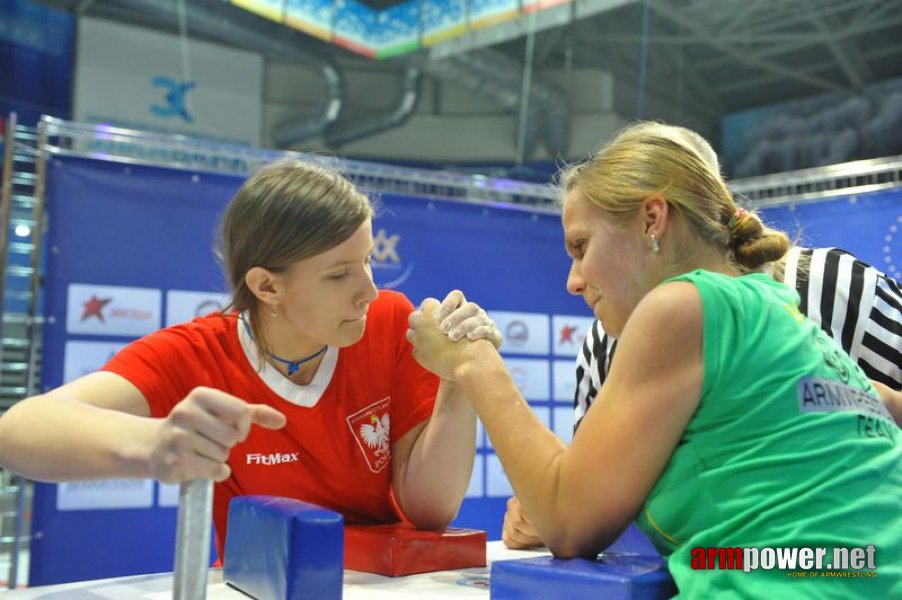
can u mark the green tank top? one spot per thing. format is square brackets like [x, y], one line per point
[790, 447]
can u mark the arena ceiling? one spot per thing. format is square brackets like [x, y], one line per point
[722, 56]
[708, 58]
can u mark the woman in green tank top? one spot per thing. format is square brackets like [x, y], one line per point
[749, 447]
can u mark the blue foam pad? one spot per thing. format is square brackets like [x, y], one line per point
[283, 549]
[633, 541]
[616, 576]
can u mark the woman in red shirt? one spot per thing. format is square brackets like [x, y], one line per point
[306, 388]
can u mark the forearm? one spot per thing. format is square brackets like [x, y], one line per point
[438, 470]
[892, 399]
[53, 438]
[532, 455]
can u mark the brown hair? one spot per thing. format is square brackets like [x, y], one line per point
[649, 158]
[285, 212]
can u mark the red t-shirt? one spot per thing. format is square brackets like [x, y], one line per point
[335, 449]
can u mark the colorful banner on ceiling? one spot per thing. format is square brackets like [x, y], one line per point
[400, 29]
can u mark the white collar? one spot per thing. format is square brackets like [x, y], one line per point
[302, 395]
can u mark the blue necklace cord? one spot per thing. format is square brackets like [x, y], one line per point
[293, 365]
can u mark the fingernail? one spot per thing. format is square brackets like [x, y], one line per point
[455, 334]
[445, 327]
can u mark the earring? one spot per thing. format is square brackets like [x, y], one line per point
[274, 311]
[655, 246]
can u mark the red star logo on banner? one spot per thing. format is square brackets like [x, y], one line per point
[93, 308]
[567, 332]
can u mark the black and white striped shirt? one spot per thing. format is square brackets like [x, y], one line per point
[857, 305]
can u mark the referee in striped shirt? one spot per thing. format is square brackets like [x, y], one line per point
[857, 305]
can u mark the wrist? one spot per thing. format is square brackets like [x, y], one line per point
[479, 357]
[134, 456]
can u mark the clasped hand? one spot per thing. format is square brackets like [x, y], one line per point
[435, 329]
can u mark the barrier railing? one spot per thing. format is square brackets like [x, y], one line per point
[125, 145]
[808, 185]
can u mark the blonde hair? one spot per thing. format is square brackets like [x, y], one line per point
[285, 212]
[649, 158]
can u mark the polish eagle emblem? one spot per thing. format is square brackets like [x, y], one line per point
[375, 433]
[370, 427]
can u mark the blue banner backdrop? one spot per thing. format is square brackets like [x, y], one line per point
[867, 225]
[130, 244]
[115, 227]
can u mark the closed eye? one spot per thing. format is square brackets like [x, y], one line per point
[577, 249]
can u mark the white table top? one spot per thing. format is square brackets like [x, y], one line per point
[462, 583]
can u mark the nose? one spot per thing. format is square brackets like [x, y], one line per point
[369, 290]
[576, 285]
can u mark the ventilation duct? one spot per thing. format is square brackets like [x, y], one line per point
[555, 114]
[343, 132]
[291, 132]
[232, 27]
[498, 78]
[458, 71]
[485, 72]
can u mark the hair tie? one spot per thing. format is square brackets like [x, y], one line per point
[737, 216]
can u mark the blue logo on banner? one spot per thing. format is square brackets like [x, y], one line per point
[175, 98]
[389, 269]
